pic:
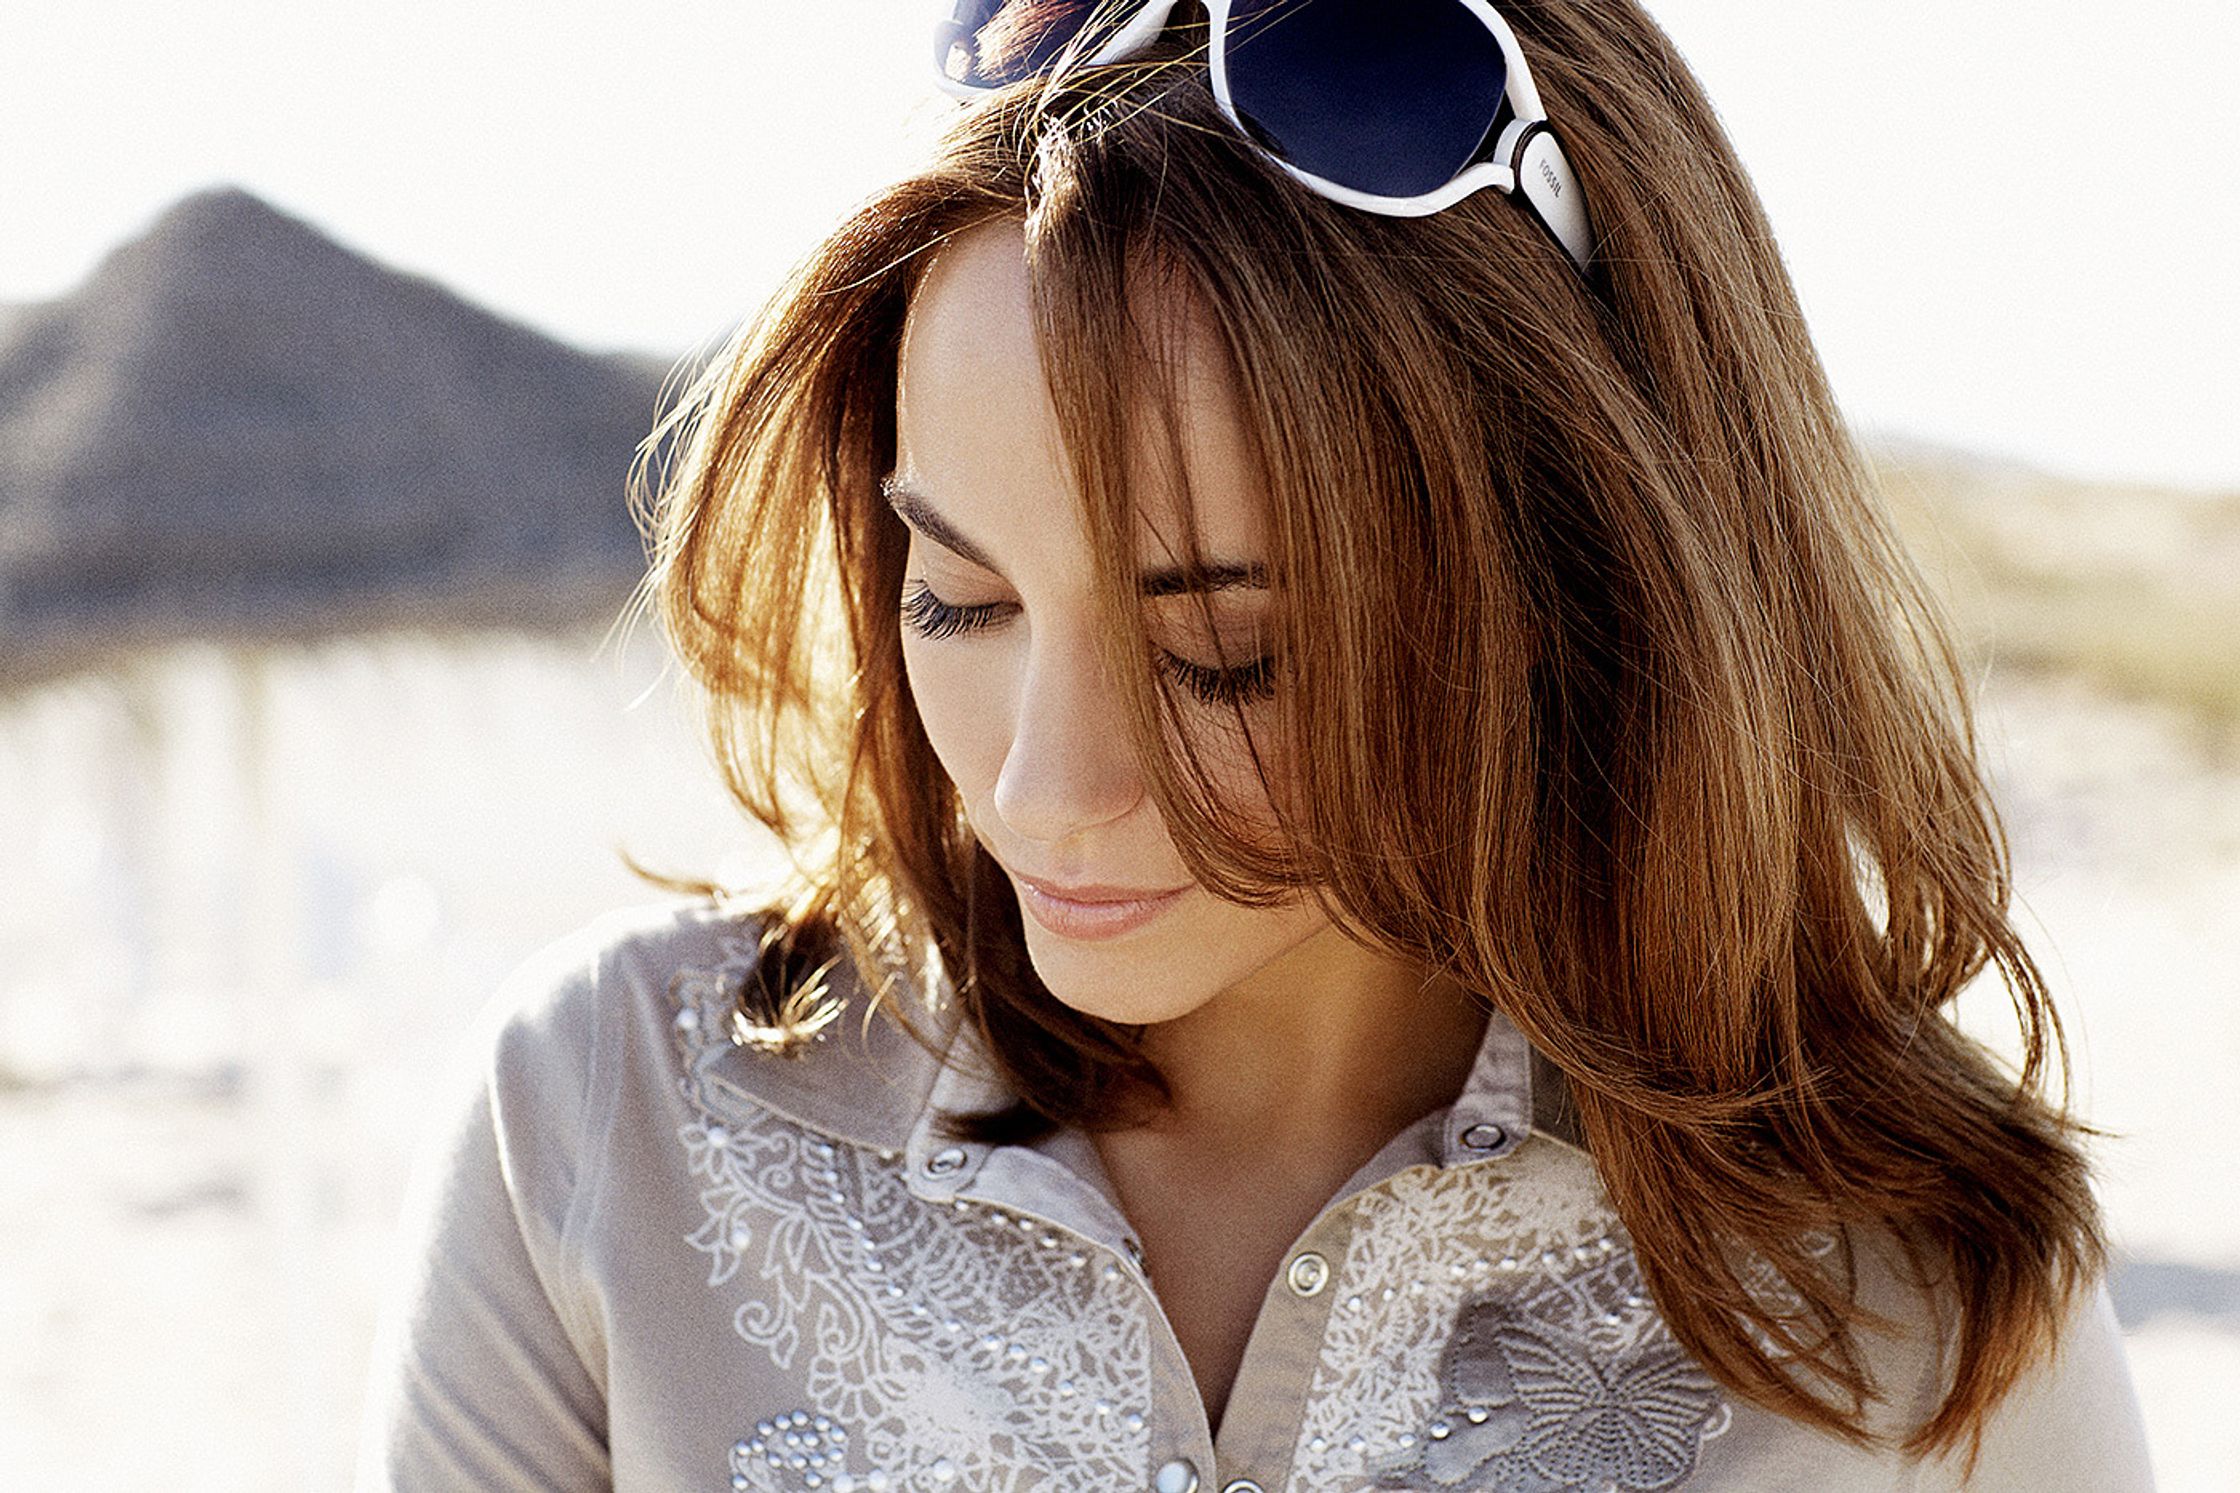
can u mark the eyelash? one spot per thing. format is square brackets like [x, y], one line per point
[930, 617]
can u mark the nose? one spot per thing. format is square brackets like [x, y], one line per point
[1070, 767]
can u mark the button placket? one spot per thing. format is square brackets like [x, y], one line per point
[1267, 1399]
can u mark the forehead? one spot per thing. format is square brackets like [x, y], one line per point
[977, 429]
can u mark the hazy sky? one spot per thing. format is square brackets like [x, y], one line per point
[2014, 228]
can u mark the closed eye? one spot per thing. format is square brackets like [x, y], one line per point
[930, 617]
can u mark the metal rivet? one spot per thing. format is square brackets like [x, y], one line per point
[1177, 1476]
[1241, 1485]
[1308, 1274]
[945, 1161]
[1484, 1137]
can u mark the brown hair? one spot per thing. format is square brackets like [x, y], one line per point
[1619, 702]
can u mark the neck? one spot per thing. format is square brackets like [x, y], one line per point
[1333, 1042]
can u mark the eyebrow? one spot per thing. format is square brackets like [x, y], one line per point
[913, 508]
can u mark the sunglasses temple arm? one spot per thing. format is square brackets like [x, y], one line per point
[1549, 186]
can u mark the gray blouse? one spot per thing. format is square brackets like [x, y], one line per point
[638, 1256]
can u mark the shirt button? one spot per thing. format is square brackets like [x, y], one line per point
[1484, 1137]
[945, 1161]
[1308, 1274]
[1177, 1476]
[1241, 1485]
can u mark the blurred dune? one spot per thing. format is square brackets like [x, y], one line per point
[237, 427]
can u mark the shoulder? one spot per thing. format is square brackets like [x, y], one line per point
[2072, 1419]
[545, 1059]
[641, 998]
[549, 1015]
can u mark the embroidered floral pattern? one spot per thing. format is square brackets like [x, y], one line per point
[1490, 1334]
[958, 1346]
[1487, 1331]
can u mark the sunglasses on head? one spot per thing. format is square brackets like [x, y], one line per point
[1393, 106]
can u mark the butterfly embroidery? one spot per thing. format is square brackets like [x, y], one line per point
[1529, 1410]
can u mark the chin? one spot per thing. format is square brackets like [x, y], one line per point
[1101, 981]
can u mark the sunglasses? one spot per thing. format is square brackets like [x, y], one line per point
[1401, 107]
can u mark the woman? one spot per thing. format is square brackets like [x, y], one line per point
[1382, 840]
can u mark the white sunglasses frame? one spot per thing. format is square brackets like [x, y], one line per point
[1528, 162]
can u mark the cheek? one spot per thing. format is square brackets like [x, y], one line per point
[1251, 789]
[962, 708]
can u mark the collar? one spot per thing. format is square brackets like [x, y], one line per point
[1492, 1115]
[863, 1079]
[1512, 1091]
[869, 1083]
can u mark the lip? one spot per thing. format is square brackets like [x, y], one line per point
[1095, 891]
[1092, 911]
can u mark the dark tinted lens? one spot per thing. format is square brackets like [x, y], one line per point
[993, 42]
[1386, 96]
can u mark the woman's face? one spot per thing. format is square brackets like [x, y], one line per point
[999, 642]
